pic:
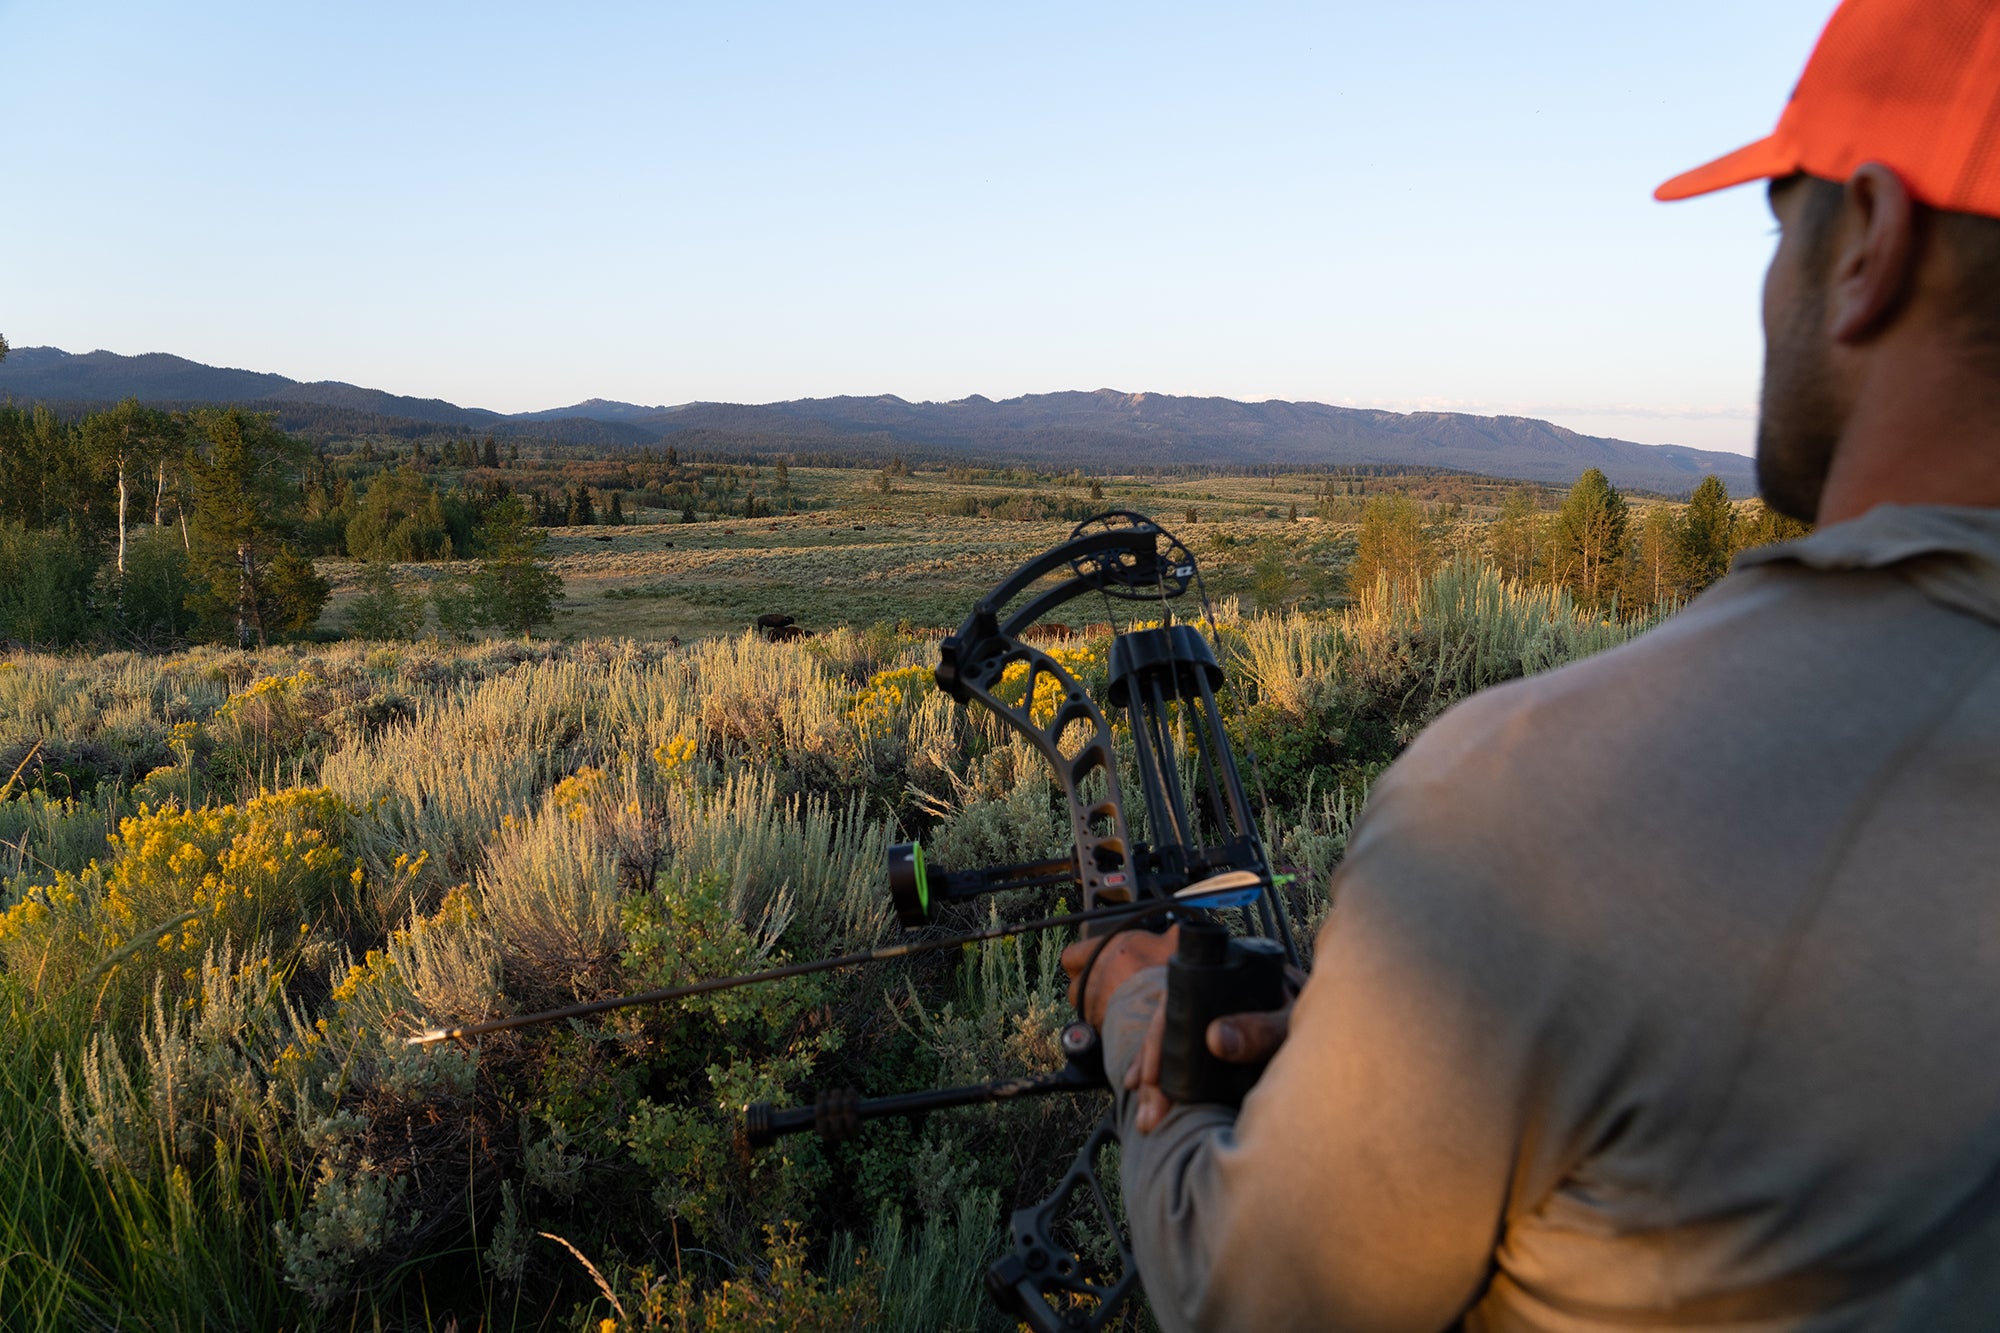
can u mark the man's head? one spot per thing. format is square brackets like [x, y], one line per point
[1885, 172]
[1859, 268]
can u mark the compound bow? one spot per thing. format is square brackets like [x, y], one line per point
[1204, 855]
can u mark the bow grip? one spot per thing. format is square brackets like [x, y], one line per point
[1209, 977]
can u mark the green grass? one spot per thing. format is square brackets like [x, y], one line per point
[915, 559]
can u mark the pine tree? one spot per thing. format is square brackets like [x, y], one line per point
[383, 610]
[1394, 545]
[245, 479]
[515, 589]
[1707, 536]
[490, 453]
[1590, 539]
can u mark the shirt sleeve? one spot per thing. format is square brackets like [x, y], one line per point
[1366, 1181]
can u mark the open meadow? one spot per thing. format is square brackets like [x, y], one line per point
[921, 552]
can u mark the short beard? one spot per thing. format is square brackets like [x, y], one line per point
[1798, 420]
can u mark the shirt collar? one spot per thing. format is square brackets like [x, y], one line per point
[1950, 553]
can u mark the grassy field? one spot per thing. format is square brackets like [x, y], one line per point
[907, 556]
[233, 882]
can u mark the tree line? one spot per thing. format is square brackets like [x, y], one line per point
[1596, 544]
[148, 528]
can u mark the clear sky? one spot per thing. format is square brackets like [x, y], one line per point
[1427, 204]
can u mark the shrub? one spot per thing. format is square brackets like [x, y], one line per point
[45, 582]
[248, 1140]
[153, 598]
[180, 883]
[384, 610]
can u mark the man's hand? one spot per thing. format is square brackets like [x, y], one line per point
[1238, 1038]
[1118, 957]
[1242, 1039]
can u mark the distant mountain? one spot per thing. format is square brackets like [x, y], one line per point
[593, 409]
[1164, 428]
[1105, 428]
[51, 373]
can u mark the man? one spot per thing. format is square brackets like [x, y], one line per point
[1663, 991]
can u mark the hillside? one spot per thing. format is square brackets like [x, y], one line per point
[1101, 429]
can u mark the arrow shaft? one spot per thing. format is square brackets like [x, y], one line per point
[884, 954]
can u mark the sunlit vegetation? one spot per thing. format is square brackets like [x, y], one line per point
[235, 881]
[302, 751]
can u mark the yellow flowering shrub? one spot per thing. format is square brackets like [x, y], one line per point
[886, 694]
[577, 794]
[673, 757]
[780, 1294]
[55, 934]
[176, 882]
[1085, 659]
[272, 717]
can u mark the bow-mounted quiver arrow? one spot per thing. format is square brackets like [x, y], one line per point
[1203, 854]
[1202, 858]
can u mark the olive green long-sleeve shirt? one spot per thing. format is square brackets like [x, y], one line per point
[1661, 991]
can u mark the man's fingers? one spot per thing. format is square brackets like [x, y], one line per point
[1077, 957]
[1109, 961]
[1245, 1039]
[1153, 1107]
[1149, 1051]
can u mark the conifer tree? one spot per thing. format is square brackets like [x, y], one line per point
[245, 473]
[515, 589]
[1707, 536]
[1394, 545]
[383, 610]
[1590, 539]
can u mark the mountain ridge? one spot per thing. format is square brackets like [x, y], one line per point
[1099, 427]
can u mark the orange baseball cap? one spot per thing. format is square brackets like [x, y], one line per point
[1912, 84]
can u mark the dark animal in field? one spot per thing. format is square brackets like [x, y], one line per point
[668, 545]
[600, 539]
[786, 633]
[859, 527]
[775, 620]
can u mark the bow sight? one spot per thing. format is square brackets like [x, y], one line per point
[1202, 855]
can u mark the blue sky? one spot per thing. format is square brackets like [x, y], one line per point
[518, 206]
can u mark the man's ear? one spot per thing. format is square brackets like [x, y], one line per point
[1874, 262]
